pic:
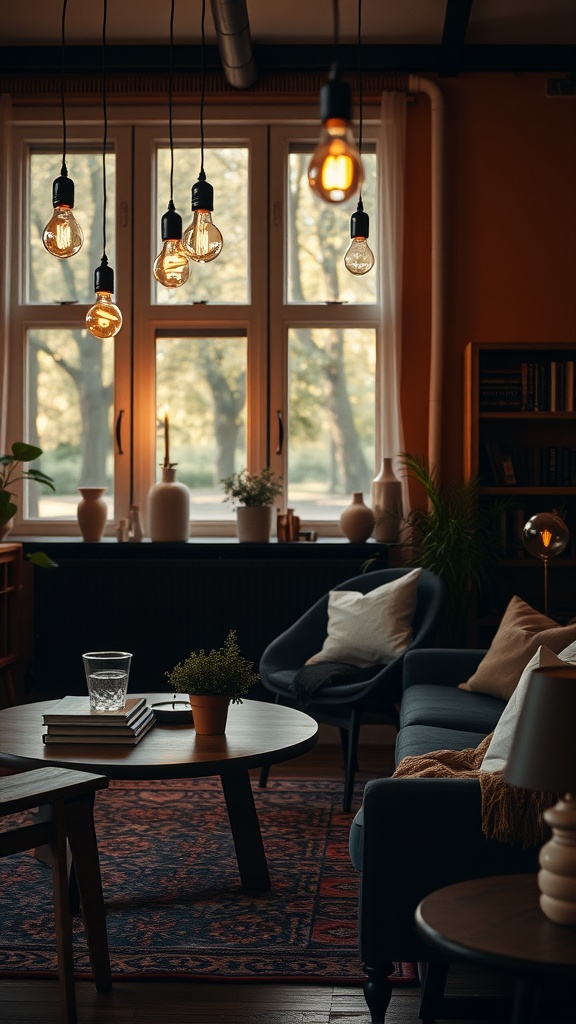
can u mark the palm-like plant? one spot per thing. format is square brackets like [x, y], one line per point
[457, 538]
[10, 466]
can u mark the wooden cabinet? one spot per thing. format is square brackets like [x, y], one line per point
[10, 592]
[520, 438]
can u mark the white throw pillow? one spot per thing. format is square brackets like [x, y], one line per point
[496, 756]
[370, 629]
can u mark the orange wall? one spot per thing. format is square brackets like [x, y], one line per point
[510, 234]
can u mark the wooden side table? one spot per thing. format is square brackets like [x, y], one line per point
[10, 595]
[497, 923]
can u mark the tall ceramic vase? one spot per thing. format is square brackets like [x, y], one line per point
[387, 504]
[92, 513]
[357, 521]
[169, 509]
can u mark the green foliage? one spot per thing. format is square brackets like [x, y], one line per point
[223, 671]
[252, 489]
[456, 538]
[9, 466]
[42, 560]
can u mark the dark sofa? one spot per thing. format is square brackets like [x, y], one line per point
[415, 835]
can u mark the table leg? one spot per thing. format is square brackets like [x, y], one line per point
[246, 831]
[526, 999]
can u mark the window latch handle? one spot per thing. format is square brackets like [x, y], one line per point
[118, 432]
[280, 444]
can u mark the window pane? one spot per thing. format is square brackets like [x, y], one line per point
[69, 416]
[202, 380]
[225, 280]
[332, 415]
[71, 280]
[319, 235]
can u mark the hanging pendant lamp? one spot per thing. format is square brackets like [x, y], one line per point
[104, 319]
[62, 235]
[202, 239]
[171, 266]
[359, 258]
[335, 171]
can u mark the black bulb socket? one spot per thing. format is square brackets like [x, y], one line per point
[359, 225]
[104, 277]
[63, 191]
[171, 225]
[335, 98]
[202, 195]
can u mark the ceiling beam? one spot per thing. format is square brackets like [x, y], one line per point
[454, 35]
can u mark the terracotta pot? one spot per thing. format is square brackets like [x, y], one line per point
[254, 523]
[92, 513]
[357, 521]
[210, 713]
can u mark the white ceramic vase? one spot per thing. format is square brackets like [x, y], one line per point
[92, 513]
[386, 500]
[357, 520]
[169, 509]
[254, 523]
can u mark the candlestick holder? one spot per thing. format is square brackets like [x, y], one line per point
[169, 508]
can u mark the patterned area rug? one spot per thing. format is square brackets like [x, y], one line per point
[175, 905]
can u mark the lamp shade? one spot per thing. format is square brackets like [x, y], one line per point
[543, 753]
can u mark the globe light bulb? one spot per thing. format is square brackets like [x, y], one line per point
[104, 319]
[62, 235]
[335, 171]
[171, 266]
[202, 239]
[359, 258]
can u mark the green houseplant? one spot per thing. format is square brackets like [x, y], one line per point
[214, 680]
[11, 470]
[456, 537]
[252, 495]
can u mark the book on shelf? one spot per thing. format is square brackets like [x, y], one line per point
[77, 710]
[103, 734]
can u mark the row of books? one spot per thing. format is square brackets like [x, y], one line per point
[534, 466]
[71, 721]
[540, 386]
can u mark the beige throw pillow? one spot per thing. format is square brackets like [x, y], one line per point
[370, 629]
[498, 751]
[519, 635]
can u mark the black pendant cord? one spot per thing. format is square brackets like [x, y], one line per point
[360, 96]
[105, 138]
[170, 87]
[336, 23]
[202, 90]
[64, 170]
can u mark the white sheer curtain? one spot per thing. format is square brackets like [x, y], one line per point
[390, 251]
[5, 116]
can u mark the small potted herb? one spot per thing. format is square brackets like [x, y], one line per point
[252, 495]
[213, 681]
[10, 465]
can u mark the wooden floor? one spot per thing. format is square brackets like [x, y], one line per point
[36, 1001]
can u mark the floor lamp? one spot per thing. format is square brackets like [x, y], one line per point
[544, 536]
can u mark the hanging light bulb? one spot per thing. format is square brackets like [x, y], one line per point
[335, 170]
[104, 319]
[202, 239]
[62, 235]
[359, 258]
[171, 266]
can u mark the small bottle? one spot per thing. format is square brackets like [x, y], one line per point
[135, 532]
[122, 530]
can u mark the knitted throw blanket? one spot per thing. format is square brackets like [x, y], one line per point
[509, 814]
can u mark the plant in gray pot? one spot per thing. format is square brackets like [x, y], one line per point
[252, 495]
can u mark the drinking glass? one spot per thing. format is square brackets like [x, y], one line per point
[107, 679]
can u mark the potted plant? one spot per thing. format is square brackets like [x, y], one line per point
[252, 495]
[10, 465]
[213, 681]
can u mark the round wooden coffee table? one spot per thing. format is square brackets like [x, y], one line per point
[257, 734]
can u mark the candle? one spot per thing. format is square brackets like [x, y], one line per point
[166, 437]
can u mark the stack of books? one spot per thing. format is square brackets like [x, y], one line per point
[71, 721]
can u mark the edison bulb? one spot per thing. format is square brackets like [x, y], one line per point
[104, 319]
[171, 266]
[359, 258]
[335, 170]
[202, 238]
[62, 235]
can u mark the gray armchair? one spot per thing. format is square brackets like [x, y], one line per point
[346, 704]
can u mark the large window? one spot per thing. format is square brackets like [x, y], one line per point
[266, 356]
